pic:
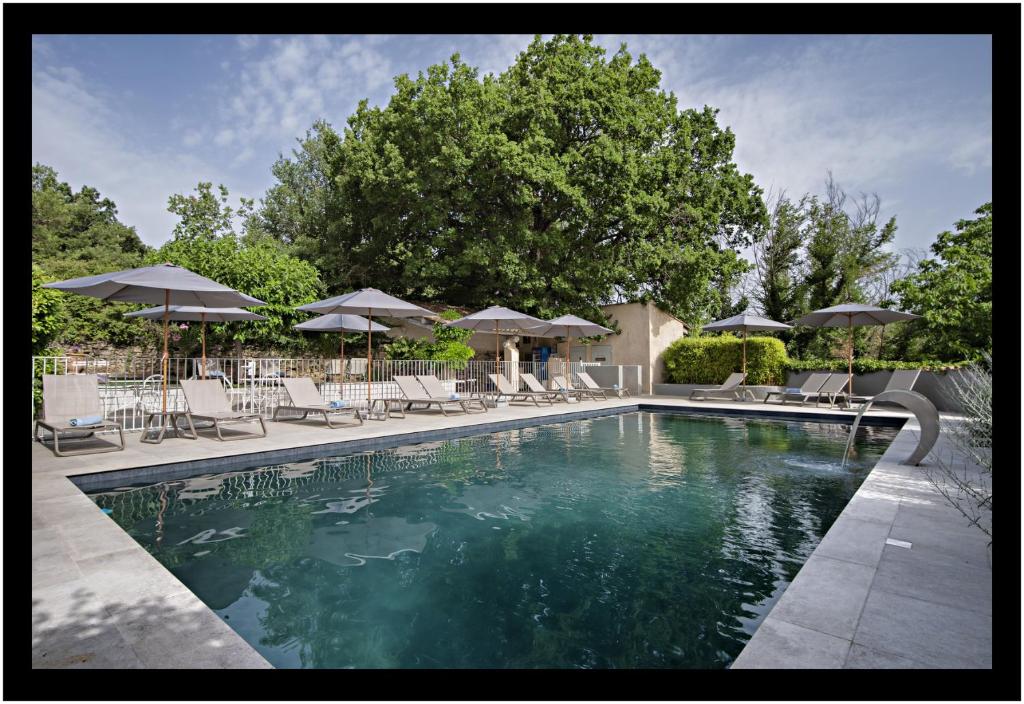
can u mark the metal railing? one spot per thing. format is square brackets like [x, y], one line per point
[131, 387]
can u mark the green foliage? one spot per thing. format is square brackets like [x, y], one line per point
[257, 267]
[710, 360]
[953, 291]
[571, 179]
[47, 311]
[206, 216]
[448, 346]
[78, 234]
[408, 348]
[865, 366]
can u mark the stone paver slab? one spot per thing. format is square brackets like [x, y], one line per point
[780, 645]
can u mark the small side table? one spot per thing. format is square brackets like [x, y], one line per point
[167, 419]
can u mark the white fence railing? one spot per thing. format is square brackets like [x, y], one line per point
[130, 388]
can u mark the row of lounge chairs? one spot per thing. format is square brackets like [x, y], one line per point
[72, 404]
[819, 387]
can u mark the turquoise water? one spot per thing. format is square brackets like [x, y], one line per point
[640, 540]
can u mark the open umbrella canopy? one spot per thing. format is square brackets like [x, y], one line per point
[745, 321]
[196, 313]
[497, 317]
[850, 315]
[168, 284]
[339, 322]
[570, 326]
[368, 301]
[853, 314]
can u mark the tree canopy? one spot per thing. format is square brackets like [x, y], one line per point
[567, 181]
[953, 291]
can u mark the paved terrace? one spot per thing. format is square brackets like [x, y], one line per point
[100, 600]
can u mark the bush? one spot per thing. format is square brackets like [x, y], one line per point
[865, 366]
[709, 360]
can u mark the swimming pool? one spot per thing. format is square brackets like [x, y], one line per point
[637, 540]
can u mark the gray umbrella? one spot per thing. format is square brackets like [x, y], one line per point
[213, 315]
[848, 315]
[168, 284]
[497, 318]
[368, 301]
[569, 326]
[340, 322]
[745, 321]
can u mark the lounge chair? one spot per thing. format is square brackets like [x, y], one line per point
[306, 398]
[432, 385]
[588, 381]
[729, 391]
[900, 380]
[579, 394]
[809, 389]
[414, 393]
[832, 390]
[538, 388]
[74, 397]
[507, 390]
[206, 399]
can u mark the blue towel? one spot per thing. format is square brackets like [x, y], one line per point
[792, 390]
[453, 396]
[338, 404]
[86, 420]
[615, 387]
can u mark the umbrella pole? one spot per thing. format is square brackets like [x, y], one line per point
[881, 339]
[343, 363]
[203, 328]
[744, 356]
[369, 357]
[497, 349]
[849, 388]
[568, 348]
[165, 367]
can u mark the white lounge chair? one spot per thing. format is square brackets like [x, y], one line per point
[811, 388]
[589, 382]
[68, 399]
[435, 389]
[507, 390]
[535, 386]
[413, 393]
[207, 400]
[579, 394]
[306, 398]
[900, 380]
[730, 390]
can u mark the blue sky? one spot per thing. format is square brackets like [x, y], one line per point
[142, 117]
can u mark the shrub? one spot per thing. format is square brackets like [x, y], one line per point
[709, 360]
[865, 366]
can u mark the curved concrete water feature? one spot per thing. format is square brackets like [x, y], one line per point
[920, 406]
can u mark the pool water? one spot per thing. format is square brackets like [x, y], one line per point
[637, 540]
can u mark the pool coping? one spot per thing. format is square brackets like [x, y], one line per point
[79, 553]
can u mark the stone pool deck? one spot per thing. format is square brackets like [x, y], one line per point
[100, 600]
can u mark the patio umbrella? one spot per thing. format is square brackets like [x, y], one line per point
[495, 318]
[569, 326]
[851, 314]
[169, 284]
[368, 301]
[214, 315]
[340, 322]
[745, 321]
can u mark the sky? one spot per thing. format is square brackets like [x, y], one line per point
[144, 117]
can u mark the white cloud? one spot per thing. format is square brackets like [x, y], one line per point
[76, 131]
[224, 137]
[247, 41]
[277, 95]
[191, 138]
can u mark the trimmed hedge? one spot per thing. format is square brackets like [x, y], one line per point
[866, 366]
[710, 360]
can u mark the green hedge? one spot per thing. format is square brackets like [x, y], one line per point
[709, 360]
[865, 366]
